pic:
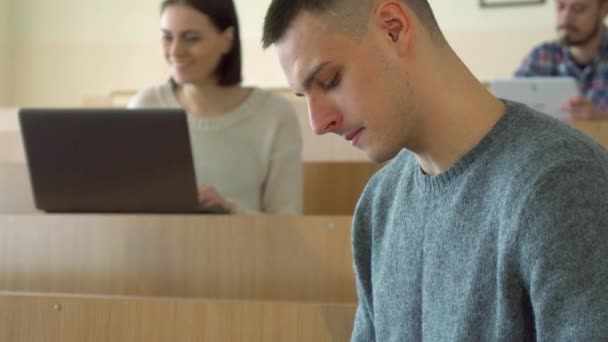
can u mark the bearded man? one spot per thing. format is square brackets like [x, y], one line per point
[581, 52]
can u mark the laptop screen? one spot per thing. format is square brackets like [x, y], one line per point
[109, 160]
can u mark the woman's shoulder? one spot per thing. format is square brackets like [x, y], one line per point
[273, 110]
[272, 100]
[275, 107]
[155, 96]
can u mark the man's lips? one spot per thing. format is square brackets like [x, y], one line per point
[567, 28]
[353, 135]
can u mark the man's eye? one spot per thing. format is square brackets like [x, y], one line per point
[578, 9]
[331, 83]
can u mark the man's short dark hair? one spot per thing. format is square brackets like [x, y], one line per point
[223, 15]
[282, 13]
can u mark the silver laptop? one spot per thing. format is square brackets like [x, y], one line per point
[545, 94]
[110, 160]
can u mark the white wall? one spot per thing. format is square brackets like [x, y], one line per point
[67, 49]
[71, 48]
[6, 65]
[494, 41]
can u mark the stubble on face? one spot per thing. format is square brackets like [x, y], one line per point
[572, 35]
[396, 120]
[568, 38]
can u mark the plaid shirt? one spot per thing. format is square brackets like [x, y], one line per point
[553, 59]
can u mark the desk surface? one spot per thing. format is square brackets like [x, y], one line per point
[65, 318]
[598, 130]
[301, 258]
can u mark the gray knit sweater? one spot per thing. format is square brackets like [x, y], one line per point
[508, 244]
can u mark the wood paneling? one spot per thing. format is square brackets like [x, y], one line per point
[333, 188]
[235, 257]
[61, 318]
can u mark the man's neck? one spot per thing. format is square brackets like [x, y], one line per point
[457, 123]
[583, 54]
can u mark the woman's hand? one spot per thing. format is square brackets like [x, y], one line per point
[209, 197]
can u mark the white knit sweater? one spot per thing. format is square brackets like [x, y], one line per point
[251, 155]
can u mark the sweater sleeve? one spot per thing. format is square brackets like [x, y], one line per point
[157, 96]
[539, 62]
[363, 328]
[143, 99]
[282, 193]
[564, 251]
[528, 65]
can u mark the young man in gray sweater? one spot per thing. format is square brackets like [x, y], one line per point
[491, 221]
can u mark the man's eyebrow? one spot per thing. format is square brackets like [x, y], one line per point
[311, 76]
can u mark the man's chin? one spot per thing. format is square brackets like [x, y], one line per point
[569, 42]
[379, 158]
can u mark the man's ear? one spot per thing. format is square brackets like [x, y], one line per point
[393, 19]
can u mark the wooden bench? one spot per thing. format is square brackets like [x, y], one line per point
[175, 278]
[27, 317]
[298, 258]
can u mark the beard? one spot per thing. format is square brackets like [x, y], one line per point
[568, 40]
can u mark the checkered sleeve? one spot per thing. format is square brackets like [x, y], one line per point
[541, 61]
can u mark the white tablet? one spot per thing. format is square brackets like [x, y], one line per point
[545, 94]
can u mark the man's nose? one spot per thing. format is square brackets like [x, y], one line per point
[566, 14]
[324, 116]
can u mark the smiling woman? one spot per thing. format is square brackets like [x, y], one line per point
[232, 128]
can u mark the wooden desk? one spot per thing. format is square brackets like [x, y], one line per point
[147, 278]
[598, 130]
[65, 318]
[274, 258]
